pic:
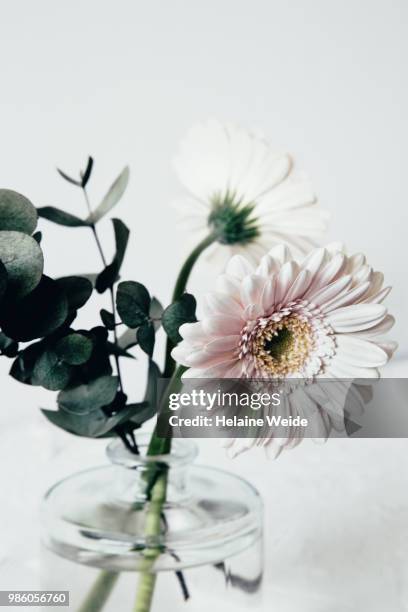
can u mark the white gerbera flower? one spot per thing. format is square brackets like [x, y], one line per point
[245, 192]
[322, 318]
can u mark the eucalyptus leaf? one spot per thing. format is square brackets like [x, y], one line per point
[77, 289]
[61, 217]
[89, 397]
[8, 347]
[99, 363]
[181, 311]
[23, 260]
[50, 372]
[143, 413]
[3, 280]
[23, 365]
[37, 315]
[113, 196]
[37, 237]
[133, 303]
[86, 425]
[131, 412]
[153, 377]
[110, 274]
[91, 276]
[156, 313]
[96, 423]
[74, 349]
[115, 349]
[69, 178]
[128, 339]
[107, 319]
[87, 174]
[118, 404]
[146, 338]
[16, 212]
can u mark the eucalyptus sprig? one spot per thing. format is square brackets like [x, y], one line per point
[38, 314]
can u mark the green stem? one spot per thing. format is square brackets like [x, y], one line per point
[180, 288]
[98, 595]
[111, 291]
[159, 475]
[147, 578]
[160, 446]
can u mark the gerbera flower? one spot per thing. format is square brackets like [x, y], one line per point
[287, 319]
[320, 318]
[245, 192]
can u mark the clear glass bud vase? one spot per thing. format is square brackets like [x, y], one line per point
[114, 546]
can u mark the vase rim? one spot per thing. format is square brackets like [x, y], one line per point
[183, 452]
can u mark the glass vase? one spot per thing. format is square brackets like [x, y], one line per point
[205, 548]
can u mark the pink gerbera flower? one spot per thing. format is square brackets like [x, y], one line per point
[321, 317]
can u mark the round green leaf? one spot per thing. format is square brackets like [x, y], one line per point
[37, 315]
[87, 425]
[146, 338]
[133, 303]
[181, 311]
[16, 212]
[23, 260]
[74, 349]
[87, 398]
[107, 319]
[23, 365]
[77, 289]
[50, 372]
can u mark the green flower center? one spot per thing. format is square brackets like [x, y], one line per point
[232, 220]
[279, 344]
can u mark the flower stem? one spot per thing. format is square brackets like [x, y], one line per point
[147, 578]
[160, 446]
[159, 476]
[180, 288]
[99, 593]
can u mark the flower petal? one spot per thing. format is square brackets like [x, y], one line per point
[220, 345]
[377, 330]
[346, 298]
[219, 325]
[343, 369]
[328, 293]
[268, 294]
[360, 352]
[193, 332]
[299, 286]
[251, 289]
[239, 267]
[286, 277]
[219, 304]
[356, 317]
[280, 254]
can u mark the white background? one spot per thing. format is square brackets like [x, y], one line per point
[324, 80]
